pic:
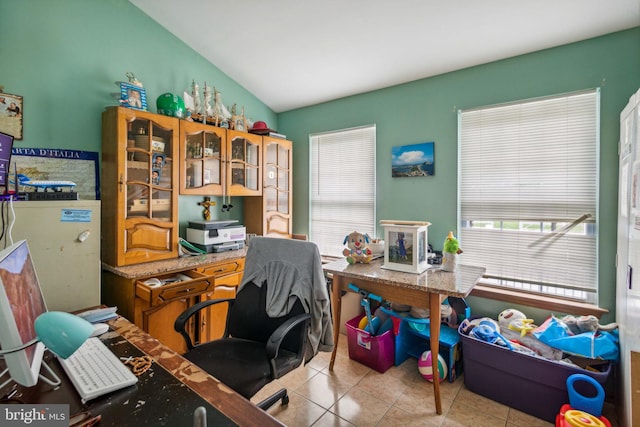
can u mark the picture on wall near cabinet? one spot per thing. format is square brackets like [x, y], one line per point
[413, 160]
[11, 115]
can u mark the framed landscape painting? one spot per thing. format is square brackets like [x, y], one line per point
[413, 160]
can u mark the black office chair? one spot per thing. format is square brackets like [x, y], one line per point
[256, 348]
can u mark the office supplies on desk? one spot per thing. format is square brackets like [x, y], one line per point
[94, 370]
[99, 314]
[216, 236]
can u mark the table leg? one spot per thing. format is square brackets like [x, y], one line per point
[336, 308]
[434, 328]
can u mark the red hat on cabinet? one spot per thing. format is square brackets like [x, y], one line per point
[260, 128]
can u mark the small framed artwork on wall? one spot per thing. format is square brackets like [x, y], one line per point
[11, 115]
[413, 160]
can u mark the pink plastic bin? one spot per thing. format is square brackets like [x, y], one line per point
[376, 352]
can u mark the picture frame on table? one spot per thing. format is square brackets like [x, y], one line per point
[132, 96]
[406, 246]
[11, 113]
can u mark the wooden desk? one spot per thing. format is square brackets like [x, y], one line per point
[166, 394]
[426, 290]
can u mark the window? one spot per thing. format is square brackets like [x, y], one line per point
[528, 194]
[343, 186]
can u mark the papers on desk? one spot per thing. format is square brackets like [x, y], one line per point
[99, 314]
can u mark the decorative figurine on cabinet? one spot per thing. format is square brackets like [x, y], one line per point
[220, 113]
[195, 93]
[207, 110]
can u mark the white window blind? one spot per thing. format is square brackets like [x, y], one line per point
[528, 193]
[343, 186]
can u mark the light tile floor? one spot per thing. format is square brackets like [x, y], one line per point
[355, 395]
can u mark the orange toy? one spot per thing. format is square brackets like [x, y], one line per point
[569, 417]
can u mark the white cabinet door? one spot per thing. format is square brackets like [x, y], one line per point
[64, 240]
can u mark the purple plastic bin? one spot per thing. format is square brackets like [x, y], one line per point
[529, 384]
[376, 352]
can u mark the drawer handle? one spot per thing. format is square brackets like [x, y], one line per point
[226, 268]
[184, 291]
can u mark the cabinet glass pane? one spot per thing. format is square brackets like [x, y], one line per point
[194, 146]
[238, 149]
[283, 157]
[137, 200]
[270, 176]
[161, 171]
[138, 138]
[251, 178]
[138, 170]
[212, 145]
[271, 197]
[160, 140]
[283, 180]
[161, 205]
[244, 162]
[252, 154]
[272, 154]
[283, 202]
[212, 172]
[203, 159]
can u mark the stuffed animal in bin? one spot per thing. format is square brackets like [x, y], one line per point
[357, 250]
[515, 320]
[590, 323]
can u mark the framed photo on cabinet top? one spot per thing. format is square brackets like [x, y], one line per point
[133, 96]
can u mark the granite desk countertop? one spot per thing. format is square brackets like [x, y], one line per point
[173, 265]
[433, 280]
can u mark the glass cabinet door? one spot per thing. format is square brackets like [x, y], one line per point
[202, 150]
[276, 190]
[244, 164]
[276, 178]
[149, 170]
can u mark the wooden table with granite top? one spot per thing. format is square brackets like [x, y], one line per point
[425, 290]
[166, 394]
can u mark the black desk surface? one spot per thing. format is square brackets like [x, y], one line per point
[167, 394]
[158, 398]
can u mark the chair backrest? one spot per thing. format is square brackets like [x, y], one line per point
[248, 317]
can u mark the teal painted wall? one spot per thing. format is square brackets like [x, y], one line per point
[64, 56]
[425, 110]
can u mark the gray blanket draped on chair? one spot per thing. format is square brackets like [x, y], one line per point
[292, 268]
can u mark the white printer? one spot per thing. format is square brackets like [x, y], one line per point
[216, 235]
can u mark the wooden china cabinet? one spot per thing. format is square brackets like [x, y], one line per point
[139, 186]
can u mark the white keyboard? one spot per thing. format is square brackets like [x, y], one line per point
[94, 370]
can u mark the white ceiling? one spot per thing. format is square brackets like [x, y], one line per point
[295, 53]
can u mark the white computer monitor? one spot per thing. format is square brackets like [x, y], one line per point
[21, 302]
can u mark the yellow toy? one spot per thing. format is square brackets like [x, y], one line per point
[357, 250]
